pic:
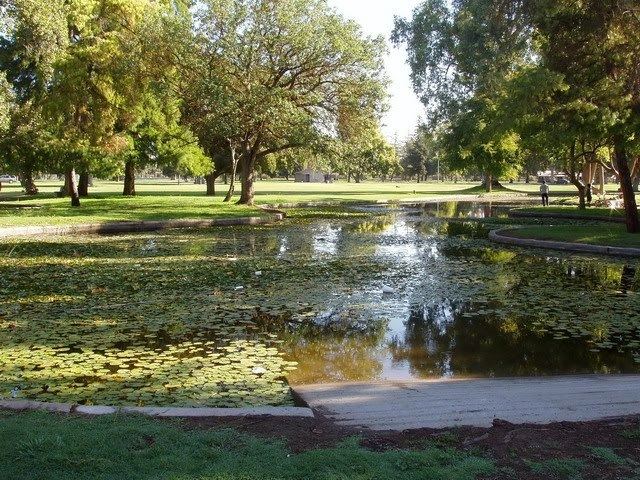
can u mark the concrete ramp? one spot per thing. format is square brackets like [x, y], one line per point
[476, 402]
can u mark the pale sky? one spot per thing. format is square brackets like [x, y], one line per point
[376, 18]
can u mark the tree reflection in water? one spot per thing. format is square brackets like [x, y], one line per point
[453, 339]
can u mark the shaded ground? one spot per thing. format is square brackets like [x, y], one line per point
[39, 445]
[590, 450]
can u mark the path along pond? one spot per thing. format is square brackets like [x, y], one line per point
[230, 316]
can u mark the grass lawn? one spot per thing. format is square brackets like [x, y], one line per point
[610, 235]
[51, 447]
[574, 210]
[108, 207]
[166, 200]
[160, 200]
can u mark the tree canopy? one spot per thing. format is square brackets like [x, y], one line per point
[507, 82]
[197, 87]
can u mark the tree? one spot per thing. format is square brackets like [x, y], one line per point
[596, 45]
[108, 91]
[280, 67]
[461, 55]
[459, 48]
[367, 153]
[476, 141]
[7, 103]
[414, 159]
[555, 124]
[32, 39]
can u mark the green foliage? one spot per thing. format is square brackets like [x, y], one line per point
[280, 70]
[461, 57]
[632, 434]
[107, 87]
[6, 103]
[420, 155]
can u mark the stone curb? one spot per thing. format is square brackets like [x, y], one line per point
[566, 216]
[127, 227]
[157, 411]
[499, 237]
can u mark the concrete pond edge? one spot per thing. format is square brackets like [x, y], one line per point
[135, 226]
[170, 412]
[499, 236]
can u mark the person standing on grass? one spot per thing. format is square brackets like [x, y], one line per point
[544, 192]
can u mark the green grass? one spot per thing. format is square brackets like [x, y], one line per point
[608, 455]
[609, 235]
[560, 468]
[107, 208]
[164, 200]
[46, 446]
[590, 212]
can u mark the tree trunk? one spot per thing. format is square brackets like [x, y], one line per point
[83, 184]
[349, 176]
[234, 168]
[488, 182]
[582, 202]
[211, 184]
[70, 180]
[628, 195]
[635, 174]
[248, 161]
[129, 178]
[65, 189]
[28, 184]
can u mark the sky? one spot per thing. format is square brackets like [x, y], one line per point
[376, 18]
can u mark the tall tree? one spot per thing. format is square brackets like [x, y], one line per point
[461, 53]
[595, 44]
[282, 64]
[33, 36]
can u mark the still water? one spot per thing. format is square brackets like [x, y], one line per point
[462, 306]
[222, 317]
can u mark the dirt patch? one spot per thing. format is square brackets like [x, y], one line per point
[589, 450]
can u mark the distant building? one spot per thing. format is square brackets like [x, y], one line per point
[313, 176]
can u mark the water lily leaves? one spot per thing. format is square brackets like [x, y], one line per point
[117, 322]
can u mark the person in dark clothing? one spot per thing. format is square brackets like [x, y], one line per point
[589, 193]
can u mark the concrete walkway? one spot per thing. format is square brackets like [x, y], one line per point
[448, 403]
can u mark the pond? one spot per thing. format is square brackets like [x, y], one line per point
[228, 317]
